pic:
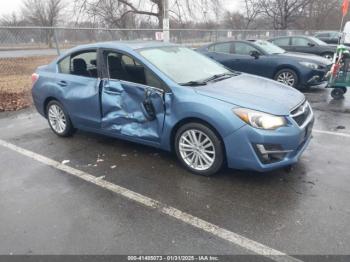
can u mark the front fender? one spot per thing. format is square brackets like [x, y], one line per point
[216, 113]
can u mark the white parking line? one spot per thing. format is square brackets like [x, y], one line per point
[196, 222]
[331, 133]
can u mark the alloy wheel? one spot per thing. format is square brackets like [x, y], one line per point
[286, 78]
[197, 150]
[57, 119]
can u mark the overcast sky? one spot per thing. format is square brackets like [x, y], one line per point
[10, 6]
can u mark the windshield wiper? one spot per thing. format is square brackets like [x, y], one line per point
[205, 81]
[218, 76]
[194, 83]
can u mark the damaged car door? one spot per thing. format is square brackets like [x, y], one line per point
[78, 84]
[132, 98]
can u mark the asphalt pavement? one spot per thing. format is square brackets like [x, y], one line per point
[44, 210]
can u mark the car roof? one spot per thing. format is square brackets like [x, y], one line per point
[124, 45]
[229, 41]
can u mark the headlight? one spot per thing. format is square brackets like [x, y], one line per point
[259, 119]
[309, 65]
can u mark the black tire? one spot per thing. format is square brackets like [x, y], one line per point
[338, 93]
[345, 89]
[288, 71]
[328, 55]
[217, 144]
[69, 129]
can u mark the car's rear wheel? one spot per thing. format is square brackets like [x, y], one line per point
[199, 149]
[58, 119]
[288, 77]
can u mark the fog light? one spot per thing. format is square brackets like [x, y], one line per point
[269, 153]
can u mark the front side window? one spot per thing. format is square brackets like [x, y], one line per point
[80, 64]
[182, 64]
[300, 41]
[244, 49]
[125, 68]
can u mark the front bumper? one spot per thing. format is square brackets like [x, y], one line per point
[242, 153]
[315, 77]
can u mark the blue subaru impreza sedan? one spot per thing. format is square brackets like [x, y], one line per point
[175, 99]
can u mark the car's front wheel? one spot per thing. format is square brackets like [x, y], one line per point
[288, 77]
[58, 119]
[199, 149]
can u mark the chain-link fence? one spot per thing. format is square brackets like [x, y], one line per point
[23, 49]
[19, 38]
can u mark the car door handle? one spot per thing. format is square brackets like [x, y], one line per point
[62, 83]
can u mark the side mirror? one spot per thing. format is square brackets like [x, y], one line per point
[310, 44]
[254, 54]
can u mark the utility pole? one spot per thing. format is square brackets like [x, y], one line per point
[166, 24]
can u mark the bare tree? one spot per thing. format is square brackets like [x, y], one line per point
[116, 12]
[12, 20]
[284, 13]
[43, 13]
[234, 20]
[323, 15]
[252, 11]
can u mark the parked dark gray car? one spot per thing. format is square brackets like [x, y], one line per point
[329, 37]
[305, 44]
[265, 59]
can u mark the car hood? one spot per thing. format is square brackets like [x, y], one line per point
[255, 93]
[306, 58]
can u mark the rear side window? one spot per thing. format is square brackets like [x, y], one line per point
[223, 48]
[80, 64]
[281, 41]
[64, 65]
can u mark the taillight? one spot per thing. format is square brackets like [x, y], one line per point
[35, 78]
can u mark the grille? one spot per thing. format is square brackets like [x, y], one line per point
[301, 113]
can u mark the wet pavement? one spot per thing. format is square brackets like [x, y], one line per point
[45, 211]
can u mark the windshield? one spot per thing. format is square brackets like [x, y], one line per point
[269, 48]
[318, 41]
[182, 64]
